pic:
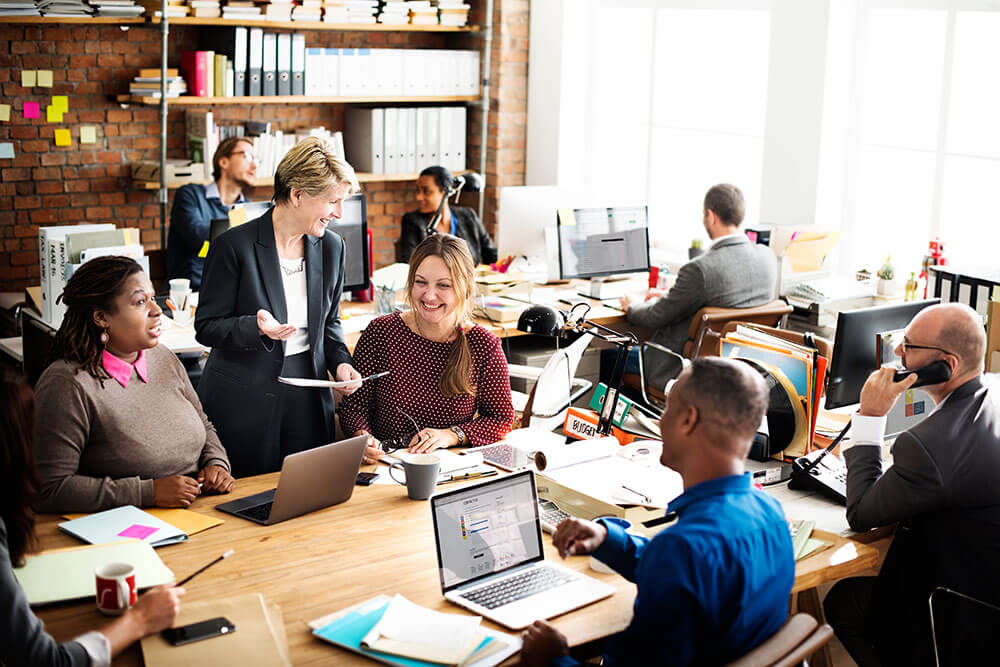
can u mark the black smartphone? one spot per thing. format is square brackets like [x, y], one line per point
[193, 632]
[934, 373]
[366, 478]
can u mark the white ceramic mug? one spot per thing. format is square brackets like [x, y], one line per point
[116, 590]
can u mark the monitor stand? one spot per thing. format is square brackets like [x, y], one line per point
[607, 287]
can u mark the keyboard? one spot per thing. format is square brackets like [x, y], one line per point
[518, 587]
[500, 455]
[258, 512]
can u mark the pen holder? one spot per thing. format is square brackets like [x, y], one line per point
[385, 301]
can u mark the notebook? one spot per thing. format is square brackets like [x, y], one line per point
[186, 520]
[68, 574]
[126, 522]
[490, 560]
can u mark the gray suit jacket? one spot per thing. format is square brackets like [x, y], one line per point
[733, 274]
[944, 490]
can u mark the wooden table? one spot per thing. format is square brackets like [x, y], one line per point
[377, 542]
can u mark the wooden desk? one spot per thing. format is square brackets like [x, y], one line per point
[377, 542]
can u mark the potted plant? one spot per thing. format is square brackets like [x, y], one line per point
[886, 278]
[695, 250]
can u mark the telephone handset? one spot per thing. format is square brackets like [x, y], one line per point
[934, 373]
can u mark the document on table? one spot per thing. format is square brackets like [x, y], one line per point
[327, 384]
[416, 632]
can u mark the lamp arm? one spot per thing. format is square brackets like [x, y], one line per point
[432, 225]
[610, 335]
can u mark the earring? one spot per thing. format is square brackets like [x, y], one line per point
[104, 337]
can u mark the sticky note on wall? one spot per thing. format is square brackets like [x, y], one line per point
[44, 77]
[88, 134]
[6, 151]
[28, 78]
[53, 114]
[4, 112]
[61, 102]
[62, 137]
[31, 109]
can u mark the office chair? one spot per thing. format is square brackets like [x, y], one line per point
[555, 388]
[706, 326]
[960, 635]
[792, 644]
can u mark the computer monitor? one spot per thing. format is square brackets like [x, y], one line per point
[353, 228]
[595, 242]
[855, 352]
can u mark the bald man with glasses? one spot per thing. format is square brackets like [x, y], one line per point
[943, 490]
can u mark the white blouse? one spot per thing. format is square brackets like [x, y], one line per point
[293, 279]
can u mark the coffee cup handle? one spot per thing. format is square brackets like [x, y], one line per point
[124, 593]
[391, 467]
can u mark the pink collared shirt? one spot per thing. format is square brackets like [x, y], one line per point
[122, 370]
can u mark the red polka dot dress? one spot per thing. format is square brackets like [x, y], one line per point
[415, 365]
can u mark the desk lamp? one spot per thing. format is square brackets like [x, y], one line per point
[547, 321]
[470, 182]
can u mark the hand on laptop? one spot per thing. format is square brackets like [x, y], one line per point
[575, 537]
[216, 479]
[542, 644]
[175, 491]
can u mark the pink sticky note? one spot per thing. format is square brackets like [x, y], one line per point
[138, 531]
[31, 110]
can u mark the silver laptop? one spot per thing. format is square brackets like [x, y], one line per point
[489, 549]
[309, 481]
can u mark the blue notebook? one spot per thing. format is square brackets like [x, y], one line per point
[348, 630]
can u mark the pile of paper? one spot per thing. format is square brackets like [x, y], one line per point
[394, 12]
[68, 8]
[278, 10]
[240, 9]
[18, 8]
[453, 13]
[208, 9]
[350, 11]
[309, 10]
[121, 8]
[422, 12]
[147, 84]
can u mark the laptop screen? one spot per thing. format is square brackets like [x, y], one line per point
[487, 528]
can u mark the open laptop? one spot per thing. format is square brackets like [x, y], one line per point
[309, 481]
[490, 560]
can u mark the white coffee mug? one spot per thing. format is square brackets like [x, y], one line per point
[116, 589]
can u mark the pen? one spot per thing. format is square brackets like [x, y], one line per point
[192, 576]
[171, 306]
[468, 475]
[644, 497]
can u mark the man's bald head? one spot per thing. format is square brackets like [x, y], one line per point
[956, 328]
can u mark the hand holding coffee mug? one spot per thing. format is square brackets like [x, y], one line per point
[116, 590]
[421, 472]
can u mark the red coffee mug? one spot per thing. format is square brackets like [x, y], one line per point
[116, 590]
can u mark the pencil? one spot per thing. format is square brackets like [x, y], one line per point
[192, 576]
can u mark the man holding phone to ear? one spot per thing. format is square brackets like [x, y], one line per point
[944, 490]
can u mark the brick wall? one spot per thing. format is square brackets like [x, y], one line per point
[45, 184]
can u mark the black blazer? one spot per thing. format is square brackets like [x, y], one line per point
[239, 388]
[944, 490]
[414, 230]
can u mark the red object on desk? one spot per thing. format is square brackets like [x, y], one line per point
[654, 277]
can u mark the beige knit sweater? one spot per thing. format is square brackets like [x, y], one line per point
[102, 447]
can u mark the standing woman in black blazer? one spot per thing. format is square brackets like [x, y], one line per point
[269, 306]
[455, 220]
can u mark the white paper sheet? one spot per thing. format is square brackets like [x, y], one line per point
[326, 384]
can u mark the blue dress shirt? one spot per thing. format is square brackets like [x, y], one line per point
[712, 586]
[195, 206]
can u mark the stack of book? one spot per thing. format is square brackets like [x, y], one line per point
[278, 10]
[422, 12]
[120, 8]
[147, 84]
[18, 8]
[208, 9]
[68, 8]
[453, 13]
[175, 8]
[208, 74]
[309, 10]
[350, 11]
[394, 12]
[240, 9]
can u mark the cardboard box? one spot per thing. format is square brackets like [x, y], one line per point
[183, 171]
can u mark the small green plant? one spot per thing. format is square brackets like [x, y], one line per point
[887, 271]
[696, 243]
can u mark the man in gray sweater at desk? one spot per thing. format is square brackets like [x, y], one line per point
[734, 273]
[943, 489]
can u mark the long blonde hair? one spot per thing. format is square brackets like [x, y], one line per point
[456, 256]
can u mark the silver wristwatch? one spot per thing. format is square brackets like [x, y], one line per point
[457, 430]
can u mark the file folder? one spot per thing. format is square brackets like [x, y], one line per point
[255, 58]
[269, 85]
[284, 61]
[298, 63]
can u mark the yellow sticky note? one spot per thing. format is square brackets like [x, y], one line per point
[62, 137]
[28, 78]
[44, 77]
[5, 112]
[567, 217]
[237, 216]
[61, 102]
[53, 114]
[203, 253]
[88, 134]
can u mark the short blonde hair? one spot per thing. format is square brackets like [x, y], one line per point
[311, 166]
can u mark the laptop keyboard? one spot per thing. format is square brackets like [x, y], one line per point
[259, 512]
[518, 587]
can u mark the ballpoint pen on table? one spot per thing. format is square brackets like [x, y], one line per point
[646, 499]
[219, 559]
[468, 475]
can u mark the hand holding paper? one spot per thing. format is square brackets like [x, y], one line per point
[328, 384]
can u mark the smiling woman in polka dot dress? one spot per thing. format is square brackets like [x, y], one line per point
[446, 374]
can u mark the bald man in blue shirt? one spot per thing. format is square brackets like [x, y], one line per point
[715, 584]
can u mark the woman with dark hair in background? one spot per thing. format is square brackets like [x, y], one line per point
[118, 420]
[458, 221]
[23, 640]
[448, 383]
